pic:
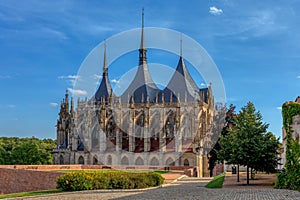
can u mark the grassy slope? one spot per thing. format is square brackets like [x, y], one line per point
[24, 194]
[217, 182]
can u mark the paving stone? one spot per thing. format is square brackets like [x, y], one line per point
[184, 190]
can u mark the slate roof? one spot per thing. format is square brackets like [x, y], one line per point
[142, 87]
[104, 91]
[181, 85]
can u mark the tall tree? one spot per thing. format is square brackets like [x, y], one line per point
[248, 144]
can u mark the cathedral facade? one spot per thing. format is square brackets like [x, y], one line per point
[144, 127]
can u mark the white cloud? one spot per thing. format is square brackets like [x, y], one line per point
[71, 79]
[53, 104]
[114, 81]
[254, 24]
[96, 76]
[279, 108]
[203, 84]
[215, 11]
[298, 76]
[77, 92]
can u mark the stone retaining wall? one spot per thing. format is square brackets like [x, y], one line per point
[18, 180]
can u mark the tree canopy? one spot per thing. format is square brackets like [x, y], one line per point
[26, 151]
[248, 143]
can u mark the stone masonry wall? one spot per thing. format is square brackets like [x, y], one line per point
[13, 181]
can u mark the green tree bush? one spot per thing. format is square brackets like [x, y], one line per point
[15, 150]
[248, 143]
[107, 180]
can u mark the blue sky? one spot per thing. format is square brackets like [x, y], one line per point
[255, 45]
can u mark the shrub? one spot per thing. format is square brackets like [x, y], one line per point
[107, 180]
[75, 181]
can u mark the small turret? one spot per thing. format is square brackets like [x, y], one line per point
[72, 107]
[67, 101]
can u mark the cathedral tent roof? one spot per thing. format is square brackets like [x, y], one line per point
[142, 87]
[181, 85]
[104, 91]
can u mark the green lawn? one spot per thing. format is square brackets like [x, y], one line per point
[217, 182]
[161, 171]
[24, 194]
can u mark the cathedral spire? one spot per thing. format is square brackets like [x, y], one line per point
[104, 91]
[142, 49]
[142, 82]
[180, 44]
[105, 69]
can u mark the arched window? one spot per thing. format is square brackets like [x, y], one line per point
[80, 160]
[154, 162]
[95, 139]
[170, 126]
[95, 160]
[124, 161]
[140, 123]
[155, 125]
[61, 160]
[110, 129]
[186, 162]
[139, 161]
[170, 162]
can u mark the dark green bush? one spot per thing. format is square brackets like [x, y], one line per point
[108, 180]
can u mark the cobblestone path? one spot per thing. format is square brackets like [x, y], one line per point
[182, 190]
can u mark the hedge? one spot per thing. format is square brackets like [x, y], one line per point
[81, 180]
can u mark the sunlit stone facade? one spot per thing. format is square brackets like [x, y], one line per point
[144, 127]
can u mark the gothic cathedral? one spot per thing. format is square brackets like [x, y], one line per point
[144, 127]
